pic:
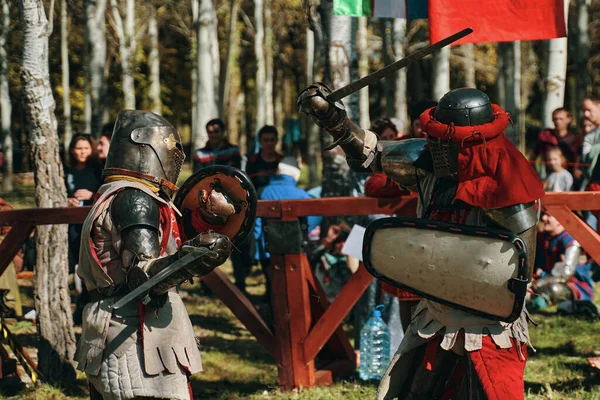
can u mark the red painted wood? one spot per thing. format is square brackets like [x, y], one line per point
[339, 343]
[574, 200]
[300, 319]
[336, 312]
[241, 307]
[281, 316]
[13, 242]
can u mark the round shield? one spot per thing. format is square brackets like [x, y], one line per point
[219, 198]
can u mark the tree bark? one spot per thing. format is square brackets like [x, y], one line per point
[154, 62]
[269, 44]
[338, 178]
[95, 45]
[6, 143]
[230, 58]
[363, 70]
[315, 55]
[52, 299]
[441, 73]
[259, 51]
[127, 47]
[400, 103]
[583, 49]
[509, 86]
[469, 65]
[64, 57]
[206, 99]
[388, 57]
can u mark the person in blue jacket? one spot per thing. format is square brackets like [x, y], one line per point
[282, 186]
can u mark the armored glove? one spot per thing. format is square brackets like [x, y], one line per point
[313, 101]
[359, 145]
[220, 249]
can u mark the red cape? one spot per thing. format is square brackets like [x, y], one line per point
[492, 173]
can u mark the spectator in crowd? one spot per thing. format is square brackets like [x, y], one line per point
[10, 297]
[415, 112]
[282, 186]
[259, 168]
[591, 142]
[559, 275]
[586, 126]
[104, 142]
[262, 165]
[559, 180]
[218, 150]
[83, 177]
[560, 136]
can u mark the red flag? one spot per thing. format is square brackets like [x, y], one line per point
[497, 20]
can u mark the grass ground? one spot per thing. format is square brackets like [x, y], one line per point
[237, 367]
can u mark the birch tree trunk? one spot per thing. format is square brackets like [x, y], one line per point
[64, 62]
[400, 103]
[556, 77]
[206, 101]
[232, 46]
[469, 65]
[127, 47]
[583, 49]
[194, 74]
[269, 44]
[95, 45]
[441, 73]
[509, 78]
[6, 143]
[388, 57]
[338, 178]
[154, 62]
[315, 55]
[259, 39]
[363, 70]
[52, 299]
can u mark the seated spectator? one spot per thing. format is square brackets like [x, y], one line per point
[10, 297]
[282, 186]
[218, 150]
[559, 180]
[560, 136]
[559, 276]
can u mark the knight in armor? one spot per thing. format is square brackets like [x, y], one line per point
[465, 172]
[146, 348]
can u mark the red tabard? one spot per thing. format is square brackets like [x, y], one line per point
[492, 173]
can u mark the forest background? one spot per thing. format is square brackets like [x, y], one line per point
[246, 62]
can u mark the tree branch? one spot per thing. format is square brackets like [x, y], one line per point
[117, 20]
[50, 25]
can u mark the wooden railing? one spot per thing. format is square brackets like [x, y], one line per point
[305, 323]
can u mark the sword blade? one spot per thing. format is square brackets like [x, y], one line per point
[395, 66]
[162, 275]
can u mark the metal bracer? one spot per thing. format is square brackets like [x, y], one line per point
[397, 159]
[359, 145]
[520, 219]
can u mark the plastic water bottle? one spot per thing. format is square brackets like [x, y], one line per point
[374, 347]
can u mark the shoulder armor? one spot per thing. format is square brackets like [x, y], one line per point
[402, 160]
[134, 208]
[517, 218]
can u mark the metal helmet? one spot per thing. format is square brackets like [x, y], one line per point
[146, 146]
[464, 107]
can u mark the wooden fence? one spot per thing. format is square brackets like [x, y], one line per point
[305, 323]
